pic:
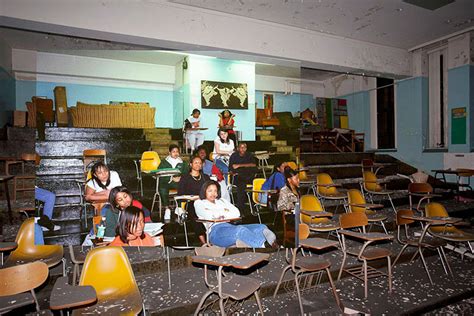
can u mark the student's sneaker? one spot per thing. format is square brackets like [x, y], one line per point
[55, 228]
[167, 216]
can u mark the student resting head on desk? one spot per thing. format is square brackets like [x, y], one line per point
[210, 206]
[130, 230]
[119, 199]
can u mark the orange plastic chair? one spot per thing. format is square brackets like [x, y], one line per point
[326, 189]
[19, 279]
[253, 196]
[357, 204]
[422, 190]
[108, 270]
[27, 251]
[447, 232]
[311, 203]
[371, 185]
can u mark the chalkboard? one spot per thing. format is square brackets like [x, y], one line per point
[458, 126]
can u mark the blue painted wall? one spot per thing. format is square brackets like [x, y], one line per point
[7, 97]
[412, 125]
[294, 103]
[94, 94]
[459, 95]
[358, 110]
[215, 69]
[471, 101]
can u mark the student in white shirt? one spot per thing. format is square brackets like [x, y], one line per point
[223, 148]
[195, 138]
[101, 182]
[211, 206]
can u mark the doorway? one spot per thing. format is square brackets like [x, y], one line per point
[385, 114]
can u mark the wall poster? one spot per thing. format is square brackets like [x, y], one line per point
[224, 95]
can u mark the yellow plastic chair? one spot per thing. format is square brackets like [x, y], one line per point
[108, 270]
[311, 203]
[253, 196]
[17, 280]
[148, 162]
[305, 180]
[27, 251]
[372, 186]
[447, 232]
[357, 204]
[326, 189]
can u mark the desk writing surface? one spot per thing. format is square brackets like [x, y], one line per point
[367, 236]
[65, 296]
[316, 213]
[318, 243]
[243, 260]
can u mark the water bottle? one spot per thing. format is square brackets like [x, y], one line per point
[101, 229]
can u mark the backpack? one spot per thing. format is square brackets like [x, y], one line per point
[272, 198]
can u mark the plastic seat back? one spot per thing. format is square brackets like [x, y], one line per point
[149, 161]
[353, 220]
[108, 270]
[370, 182]
[311, 203]
[257, 185]
[404, 221]
[323, 179]
[292, 165]
[420, 188]
[354, 196]
[434, 209]
[27, 251]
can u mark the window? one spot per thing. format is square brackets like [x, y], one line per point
[438, 98]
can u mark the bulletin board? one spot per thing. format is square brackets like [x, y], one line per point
[458, 125]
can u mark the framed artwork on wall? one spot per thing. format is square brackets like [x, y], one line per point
[224, 95]
[268, 102]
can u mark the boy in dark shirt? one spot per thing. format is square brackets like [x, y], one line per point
[243, 164]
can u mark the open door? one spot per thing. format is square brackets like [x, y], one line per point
[385, 114]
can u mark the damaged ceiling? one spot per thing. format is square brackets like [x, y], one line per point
[394, 23]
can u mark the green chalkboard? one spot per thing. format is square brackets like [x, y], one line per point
[458, 126]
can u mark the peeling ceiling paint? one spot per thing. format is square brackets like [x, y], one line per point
[386, 22]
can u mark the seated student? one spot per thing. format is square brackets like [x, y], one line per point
[119, 199]
[211, 170]
[49, 199]
[101, 182]
[289, 194]
[172, 161]
[275, 182]
[194, 138]
[242, 163]
[223, 148]
[190, 184]
[130, 230]
[211, 206]
[226, 121]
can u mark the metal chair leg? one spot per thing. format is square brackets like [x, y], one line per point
[399, 254]
[203, 299]
[298, 292]
[389, 270]
[446, 260]
[334, 291]
[279, 281]
[221, 306]
[259, 303]
[365, 279]
[424, 264]
[342, 266]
